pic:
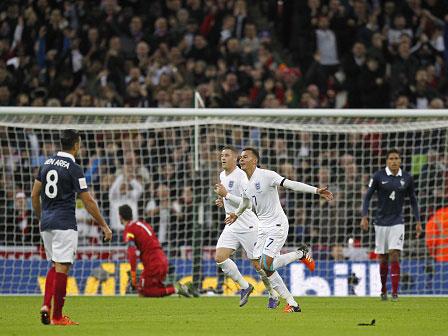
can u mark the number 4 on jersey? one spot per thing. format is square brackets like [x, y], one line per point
[392, 195]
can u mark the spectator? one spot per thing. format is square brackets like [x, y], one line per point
[74, 53]
[26, 227]
[326, 45]
[373, 86]
[352, 67]
[162, 213]
[403, 68]
[421, 92]
[126, 189]
[88, 231]
[399, 28]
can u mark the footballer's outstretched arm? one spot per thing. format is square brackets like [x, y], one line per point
[35, 198]
[244, 204]
[94, 211]
[306, 188]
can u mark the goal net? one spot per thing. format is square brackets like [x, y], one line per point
[164, 163]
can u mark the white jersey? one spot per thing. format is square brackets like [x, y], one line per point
[262, 190]
[234, 183]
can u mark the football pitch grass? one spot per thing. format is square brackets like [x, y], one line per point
[221, 316]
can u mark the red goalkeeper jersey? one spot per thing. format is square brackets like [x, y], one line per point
[145, 239]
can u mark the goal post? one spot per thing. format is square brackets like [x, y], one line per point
[164, 163]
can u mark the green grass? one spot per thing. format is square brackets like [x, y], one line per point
[114, 316]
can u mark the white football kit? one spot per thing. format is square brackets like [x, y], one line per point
[273, 227]
[244, 231]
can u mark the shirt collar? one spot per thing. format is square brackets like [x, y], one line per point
[388, 172]
[256, 169]
[67, 155]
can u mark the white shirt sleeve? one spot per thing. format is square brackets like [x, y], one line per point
[299, 186]
[244, 205]
[137, 189]
[114, 192]
[233, 198]
[275, 179]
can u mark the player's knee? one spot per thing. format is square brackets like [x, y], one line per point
[222, 254]
[256, 264]
[62, 267]
[394, 255]
[220, 258]
[266, 263]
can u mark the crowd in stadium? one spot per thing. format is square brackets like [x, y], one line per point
[236, 53]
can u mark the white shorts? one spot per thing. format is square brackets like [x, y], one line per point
[271, 240]
[60, 245]
[233, 240]
[389, 238]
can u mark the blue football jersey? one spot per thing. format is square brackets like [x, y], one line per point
[392, 191]
[62, 178]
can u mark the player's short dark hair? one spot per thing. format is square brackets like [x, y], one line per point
[125, 212]
[69, 138]
[230, 148]
[392, 151]
[254, 152]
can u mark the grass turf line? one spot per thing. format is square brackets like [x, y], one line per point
[221, 316]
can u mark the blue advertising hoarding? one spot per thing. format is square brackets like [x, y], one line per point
[102, 277]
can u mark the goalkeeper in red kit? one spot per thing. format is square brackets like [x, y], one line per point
[139, 235]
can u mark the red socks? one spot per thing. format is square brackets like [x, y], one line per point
[60, 289]
[49, 287]
[395, 276]
[384, 267]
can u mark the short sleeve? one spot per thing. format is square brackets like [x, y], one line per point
[78, 179]
[275, 179]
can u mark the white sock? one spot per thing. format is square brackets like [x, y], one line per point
[285, 259]
[280, 287]
[230, 269]
[267, 283]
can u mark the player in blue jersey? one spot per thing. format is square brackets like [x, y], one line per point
[392, 186]
[58, 182]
